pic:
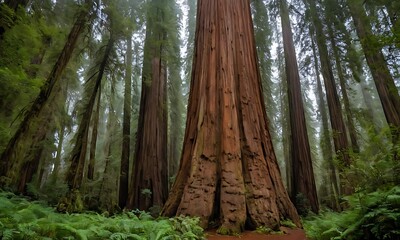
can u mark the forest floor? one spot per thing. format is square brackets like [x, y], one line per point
[290, 234]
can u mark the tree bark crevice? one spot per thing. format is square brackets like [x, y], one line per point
[228, 171]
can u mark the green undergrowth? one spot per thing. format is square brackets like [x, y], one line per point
[373, 215]
[23, 219]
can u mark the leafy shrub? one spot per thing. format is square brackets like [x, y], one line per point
[21, 219]
[374, 215]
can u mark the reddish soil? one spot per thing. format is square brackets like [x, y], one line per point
[290, 234]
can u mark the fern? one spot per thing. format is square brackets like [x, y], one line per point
[371, 216]
[21, 219]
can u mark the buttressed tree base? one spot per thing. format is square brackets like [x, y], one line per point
[228, 173]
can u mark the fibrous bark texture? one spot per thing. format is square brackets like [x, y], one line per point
[150, 171]
[303, 181]
[228, 172]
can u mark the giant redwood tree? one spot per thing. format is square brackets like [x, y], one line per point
[228, 172]
[303, 181]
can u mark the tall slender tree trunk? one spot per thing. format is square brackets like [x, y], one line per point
[387, 90]
[175, 98]
[74, 175]
[176, 120]
[285, 132]
[284, 118]
[339, 132]
[263, 36]
[228, 171]
[342, 82]
[126, 128]
[57, 162]
[107, 187]
[303, 181]
[326, 144]
[93, 139]
[150, 170]
[13, 157]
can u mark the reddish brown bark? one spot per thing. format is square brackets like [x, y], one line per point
[228, 173]
[150, 169]
[303, 181]
[13, 157]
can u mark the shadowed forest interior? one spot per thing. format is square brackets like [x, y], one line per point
[162, 119]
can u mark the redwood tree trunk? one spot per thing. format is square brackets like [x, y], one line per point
[303, 181]
[75, 171]
[343, 88]
[13, 157]
[335, 112]
[93, 140]
[228, 172]
[107, 190]
[126, 129]
[150, 169]
[326, 145]
[57, 161]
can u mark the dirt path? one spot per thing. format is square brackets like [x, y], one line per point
[291, 234]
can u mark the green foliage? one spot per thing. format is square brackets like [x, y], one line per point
[373, 211]
[374, 215]
[288, 223]
[264, 230]
[20, 44]
[146, 192]
[375, 166]
[21, 219]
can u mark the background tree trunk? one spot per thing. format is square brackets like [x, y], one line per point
[228, 172]
[93, 139]
[332, 186]
[303, 181]
[343, 87]
[150, 169]
[339, 133]
[75, 171]
[126, 128]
